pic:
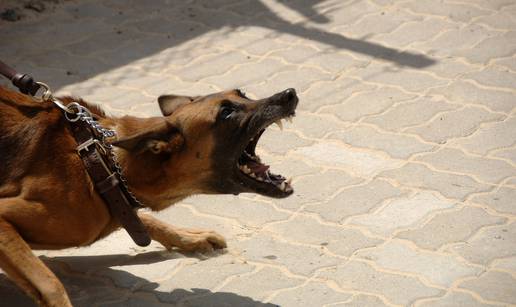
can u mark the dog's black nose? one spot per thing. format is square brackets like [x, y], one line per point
[289, 94]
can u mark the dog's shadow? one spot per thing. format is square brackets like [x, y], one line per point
[119, 287]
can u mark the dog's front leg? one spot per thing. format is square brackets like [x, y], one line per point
[28, 271]
[190, 240]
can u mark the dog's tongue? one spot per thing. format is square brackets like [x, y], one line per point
[257, 168]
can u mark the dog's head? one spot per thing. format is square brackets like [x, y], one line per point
[207, 143]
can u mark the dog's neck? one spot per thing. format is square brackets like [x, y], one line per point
[145, 174]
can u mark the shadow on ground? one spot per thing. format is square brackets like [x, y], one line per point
[88, 38]
[86, 288]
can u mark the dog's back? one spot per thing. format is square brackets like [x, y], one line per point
[24, 123]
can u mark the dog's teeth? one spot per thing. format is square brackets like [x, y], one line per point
[252, 175]
[289, 181]
[279, 123]
[282, 186]
[259, 178]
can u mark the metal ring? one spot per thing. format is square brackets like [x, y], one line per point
[70, 110]
[45, 96]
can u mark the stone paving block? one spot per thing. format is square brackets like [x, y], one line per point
[339, 240]
[274, 141]
[328, 93]
[462, 91]
[508, 62]
[350, 12]
[300, 79]
[397, 146]
[397, 256]
[328, 183]
[261, 284]
[450, 227]
[262, 248]
[454, 160]
[421, 177]
[398, 289]
[501, 199]
[494, 76]
[382, 22]
[450, 68]
[246, 211]
[413, 81]
[414, 31]
[493, 286]
[367, 103]
[290, 167]
[410, 113]
[489, 244]
[508, 154]
[453, 124]
[311, 294]
[362, 300]
[359, 163]
[493, 5]
[490, 136]
[401, 213]
[460, 12]
[499, 20]
[493, 47]
[296, 54]
[212, 65]
[314, 126]
[356, 200]
[454, 299]
[508, 264]
[456, 40]
[202, 275]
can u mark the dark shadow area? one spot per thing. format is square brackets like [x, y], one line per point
[91, 38]
[85, 289]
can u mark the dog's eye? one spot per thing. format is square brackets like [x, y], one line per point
[226, 112]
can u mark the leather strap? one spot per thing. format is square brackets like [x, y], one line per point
[107, 184]
[23, 82]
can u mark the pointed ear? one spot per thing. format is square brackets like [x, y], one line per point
[169, 103]
[158, 139]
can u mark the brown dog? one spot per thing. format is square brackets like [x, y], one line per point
[47, 200]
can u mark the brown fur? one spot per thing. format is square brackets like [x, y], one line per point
[47, 199]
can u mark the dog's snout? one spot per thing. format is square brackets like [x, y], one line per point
[289, 94]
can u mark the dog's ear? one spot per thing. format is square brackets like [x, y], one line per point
[161, 139]
[169, 103]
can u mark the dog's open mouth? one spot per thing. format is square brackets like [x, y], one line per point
[253, 168]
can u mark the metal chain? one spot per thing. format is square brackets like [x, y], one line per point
[82, 113]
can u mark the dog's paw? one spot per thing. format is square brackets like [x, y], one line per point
[199, 240]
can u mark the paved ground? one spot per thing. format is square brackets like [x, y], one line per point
[403, 151]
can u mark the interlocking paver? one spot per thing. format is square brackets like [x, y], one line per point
[356, 200]
[311, 294]
[489, 170]
[454, 299]
[453, 124]
[489, 244]
[307, 230]
[402, 152]
[395, 255]
[410, 113]
[421, 177]
[397, 146]
[401, 213]
[450, 227]
[494, 286]
[398, 289]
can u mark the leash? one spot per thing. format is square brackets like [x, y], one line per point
[97, 154]
[23, 82]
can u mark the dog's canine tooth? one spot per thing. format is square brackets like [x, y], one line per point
[252, 175]
[282, 186]
[259, 178]
[279, 123]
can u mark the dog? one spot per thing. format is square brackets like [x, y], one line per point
[201, 145]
